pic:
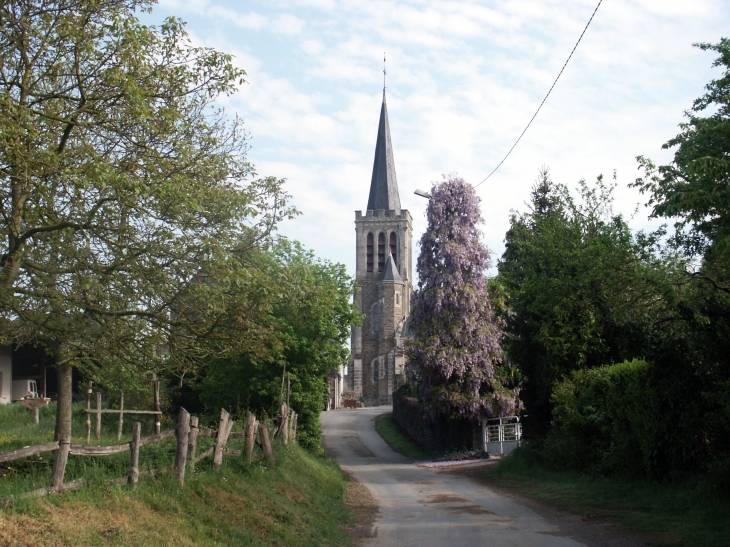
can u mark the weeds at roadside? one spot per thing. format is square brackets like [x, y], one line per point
[686, 514]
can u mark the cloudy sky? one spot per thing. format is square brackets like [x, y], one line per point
[464, 78]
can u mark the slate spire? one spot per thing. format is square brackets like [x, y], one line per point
[383, 186]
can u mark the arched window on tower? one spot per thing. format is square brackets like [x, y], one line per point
[394, 247]
[370, 252]
[381, 251]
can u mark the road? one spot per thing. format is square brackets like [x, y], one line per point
[423, 507]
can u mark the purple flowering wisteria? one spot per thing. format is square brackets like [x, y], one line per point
[456, 356]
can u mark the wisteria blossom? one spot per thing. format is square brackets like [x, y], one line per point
[456, 355]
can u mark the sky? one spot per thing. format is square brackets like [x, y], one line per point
[463, 79]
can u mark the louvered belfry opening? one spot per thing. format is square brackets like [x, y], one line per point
[370, 242]
[394, 247]
[381, 251]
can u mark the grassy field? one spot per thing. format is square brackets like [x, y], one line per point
[399, 442]
[297, 502]
[688, 514]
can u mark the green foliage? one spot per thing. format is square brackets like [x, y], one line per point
[607, 420]
[123, 192]
[311, 312]
[694, 187]
[578, 288]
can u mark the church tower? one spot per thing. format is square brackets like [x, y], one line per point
[384, 280]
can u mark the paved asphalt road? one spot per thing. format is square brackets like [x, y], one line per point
[422, 507]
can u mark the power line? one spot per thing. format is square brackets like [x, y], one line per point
[546, 96]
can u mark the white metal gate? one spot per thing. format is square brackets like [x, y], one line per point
[501, 435]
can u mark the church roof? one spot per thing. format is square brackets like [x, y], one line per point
[383, 186]
[390, 272]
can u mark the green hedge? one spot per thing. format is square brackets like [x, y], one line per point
[635, 418]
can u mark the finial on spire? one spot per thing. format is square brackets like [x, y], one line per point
[384, 73]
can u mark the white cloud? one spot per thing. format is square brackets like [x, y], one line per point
[463, 80]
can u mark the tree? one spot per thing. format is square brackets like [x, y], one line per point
[455, 355]
[123, 193]
[695, 186]
[312, 312]
[579, 288]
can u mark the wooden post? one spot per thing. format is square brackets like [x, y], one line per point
[284, 428]
[156, 397]
[36, 415]
[283, 378]
[59, 464]
[121, 416]
[193, 442]
[183, 431]
[88, 416]
[224, 429]
[250, 436]
[134, 458]
[266, 443]
[98, 416]
[294, 426]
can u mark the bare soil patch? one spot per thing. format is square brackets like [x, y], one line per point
[364, 509]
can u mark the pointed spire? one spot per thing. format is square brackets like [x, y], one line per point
[390, 272]
[383, 186]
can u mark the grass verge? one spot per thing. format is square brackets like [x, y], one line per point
[400, 442]
[687, 514]
[297, 502]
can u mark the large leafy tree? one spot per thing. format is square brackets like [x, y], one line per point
[456, 357]
[578, 287]
[312, 312]
[694, 188]
[123, 192]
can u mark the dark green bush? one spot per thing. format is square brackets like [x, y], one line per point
[608, 420]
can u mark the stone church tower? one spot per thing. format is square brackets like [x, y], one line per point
[384, 281]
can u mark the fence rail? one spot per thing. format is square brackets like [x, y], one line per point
[186, 455]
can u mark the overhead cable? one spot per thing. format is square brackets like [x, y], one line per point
[546, 96]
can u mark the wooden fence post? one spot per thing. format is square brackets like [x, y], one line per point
[98, 415]
[183, 430]
[121, 416]
[285, 422]
[250, 436]
[36, 415]
[88, 415]
[59, 464]
[193, 442]
[224, 429]
[134, 458]
[156, 397]
[266, 443]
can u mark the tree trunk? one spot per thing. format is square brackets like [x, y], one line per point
[63, 408]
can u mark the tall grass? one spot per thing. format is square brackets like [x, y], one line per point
[296, 503]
